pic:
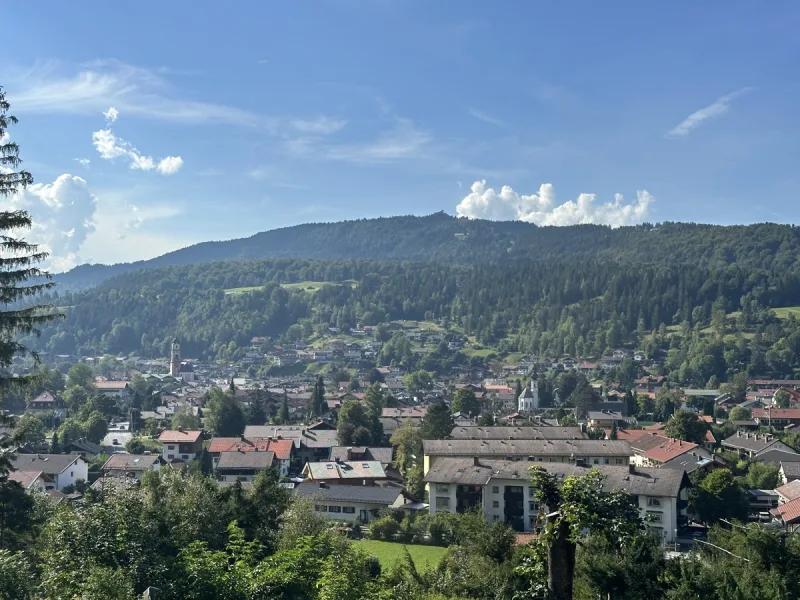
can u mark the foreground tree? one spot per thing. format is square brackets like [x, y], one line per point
[574, 508]
[437, 423]
[719, 496]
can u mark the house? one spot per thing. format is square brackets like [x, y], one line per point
[776, 417]
[404, 412]
[62, 470]
[392, 424]
[536, 432]
[788, 515]
[777, 456]
[655, 450]
[181, 445]
[311, 442]
[282, 449]
[47, 401]
[120, 389]
[590, 452]
[503, 490]
[351, 502]
[131, 466]
[361, 453]
[790, 471]
[31, 481]
[788, 491]
[243, 466]
[345, 472]
[750, 445]
[600, 419]
[83, 447]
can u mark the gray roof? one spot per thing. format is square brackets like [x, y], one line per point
[751, 442]
[382, 455]
[307, 436]
[350, 493]
[791, 470]
[130, 462]
[245, 460]
[576, 448]
[777, 456]
[517, 433]
[690, 461]
[50, 464]
[643, 481]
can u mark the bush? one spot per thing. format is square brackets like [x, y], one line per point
[384, 529]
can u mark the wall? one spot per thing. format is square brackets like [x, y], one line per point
[79, 470]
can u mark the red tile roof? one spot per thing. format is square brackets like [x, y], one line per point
[710, 439]
[789, 512]
[656, 427]
[175, 436]
[281, 448]
[669, 449]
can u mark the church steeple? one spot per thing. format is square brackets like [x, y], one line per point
[175, 359]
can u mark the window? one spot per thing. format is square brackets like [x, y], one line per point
[442, 502]
[595, 461]
[72, 473]
[442, 489]
[322, 508]
[170, 456]
[653, 502]
[495, 517]
[620, 461]
[533, 506]
[495, 503]
[365, 465]
[349, 510]
[335, 509]
[495, 489]
[329, 466]
[531, 491]
[654, 517]
[185, 456]
[170, 447]
[607, 461]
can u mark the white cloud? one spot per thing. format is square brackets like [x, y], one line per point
[109, 146]
[170, 165]
[63, 214]
[84, 162]
[111, 114]
[319, 125]
[482, 116]
[541, 208]
[404, 141]
[694, 120]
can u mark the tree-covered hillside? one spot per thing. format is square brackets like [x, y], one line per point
[577, 307]
[442, 238]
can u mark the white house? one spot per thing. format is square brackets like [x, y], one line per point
[63, 470]
[351, 503]
[503, 489]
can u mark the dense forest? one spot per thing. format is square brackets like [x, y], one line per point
[445, 239]
[715, 318]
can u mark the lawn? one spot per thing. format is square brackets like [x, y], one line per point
[389, 553]
[310, 287]
[784, 312]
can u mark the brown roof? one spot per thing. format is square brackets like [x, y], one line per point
[130, 462]
[660, 448]
[245, 460]
[790, 491]
[628, 434]
[176, 436]
[776, 413]
[25, 478]
[111, 385]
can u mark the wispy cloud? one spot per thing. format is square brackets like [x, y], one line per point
[718, 108]
[482, 116]
[84, 162]
[319, 125]
[404, 141]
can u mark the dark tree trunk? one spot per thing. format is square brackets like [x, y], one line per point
[561, 564]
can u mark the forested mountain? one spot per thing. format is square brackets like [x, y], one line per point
[578, 307]
[445, 239]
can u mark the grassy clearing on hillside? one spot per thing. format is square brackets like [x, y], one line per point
[785, 311]
[390, 553]
[310, 287]
[429, 325]
[470, 351]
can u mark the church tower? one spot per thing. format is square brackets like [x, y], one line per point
[175, 359]
[529, 398]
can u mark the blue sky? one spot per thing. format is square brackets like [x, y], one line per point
[231, 120]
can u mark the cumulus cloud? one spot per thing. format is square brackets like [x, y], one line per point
[109, 146]
[111, 114]
[170, 165]
[63, 214]
[542, 208]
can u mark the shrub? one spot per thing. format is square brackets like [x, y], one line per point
[384, 528]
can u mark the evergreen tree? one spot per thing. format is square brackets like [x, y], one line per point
[283, 414]
[519, 388]
[55, 446]
[613, 435]
[257, 415]
[18, 260]
[317, 408]
[437, 423]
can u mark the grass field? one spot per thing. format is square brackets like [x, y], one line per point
[785, 311]
[389, 553]
[310, 287]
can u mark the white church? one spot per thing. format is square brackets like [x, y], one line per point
[528, 400]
